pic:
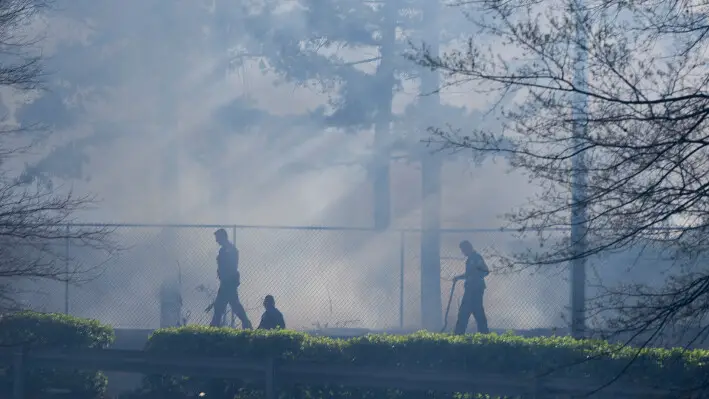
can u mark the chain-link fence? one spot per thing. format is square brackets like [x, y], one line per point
[320, 277]
[522, 300]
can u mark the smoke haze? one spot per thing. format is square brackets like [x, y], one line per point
[178, 112]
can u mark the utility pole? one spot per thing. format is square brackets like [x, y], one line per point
[579, 181]
[431, 166]
[384, 78]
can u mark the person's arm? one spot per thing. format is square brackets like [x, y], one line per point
[478, 265]
[281, 321]
[464, 275]
[261, 324]
[483, 267]
[228, 262]
[237, 276]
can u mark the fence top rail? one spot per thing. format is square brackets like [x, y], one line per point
[284, 227]
[336, 228]
[217, 226]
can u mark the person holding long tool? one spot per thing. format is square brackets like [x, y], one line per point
[475, 272]
[229, 281]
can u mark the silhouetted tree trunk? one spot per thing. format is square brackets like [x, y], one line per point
[380, 171]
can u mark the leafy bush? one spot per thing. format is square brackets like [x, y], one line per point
[54, 331]
[508, 354]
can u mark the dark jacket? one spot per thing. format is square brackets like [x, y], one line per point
[271, 319]
[475, 272]
[228, 264]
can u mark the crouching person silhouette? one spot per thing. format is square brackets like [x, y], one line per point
[272, 318]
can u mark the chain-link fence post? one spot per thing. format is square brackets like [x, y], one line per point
[66, 270]
[402, 237]
[233, 317]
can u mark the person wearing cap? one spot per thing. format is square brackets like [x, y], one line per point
[475, 272]
[229, 281]
[272, 318]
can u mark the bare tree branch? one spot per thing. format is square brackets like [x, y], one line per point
[34, 221]
[647, 145]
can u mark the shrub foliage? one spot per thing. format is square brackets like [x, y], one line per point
[54, 331]
[590, 360]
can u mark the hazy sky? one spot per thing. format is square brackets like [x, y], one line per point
[150, 94]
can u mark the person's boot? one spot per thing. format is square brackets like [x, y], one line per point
[482, 326]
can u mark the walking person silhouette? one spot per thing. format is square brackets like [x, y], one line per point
[229, 281]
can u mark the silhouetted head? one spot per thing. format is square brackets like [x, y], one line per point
[466, 248]
[221, 237]
[269, 302]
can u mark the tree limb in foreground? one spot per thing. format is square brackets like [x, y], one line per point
[33, 220]
[647, 142]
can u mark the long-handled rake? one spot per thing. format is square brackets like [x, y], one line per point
[448, 307]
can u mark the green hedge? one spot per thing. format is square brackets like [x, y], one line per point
[508, 354]
[54, 331]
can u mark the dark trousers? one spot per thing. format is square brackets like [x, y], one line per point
[472, 304]
[229, 294]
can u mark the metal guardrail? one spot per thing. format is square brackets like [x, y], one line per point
[273, 374]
